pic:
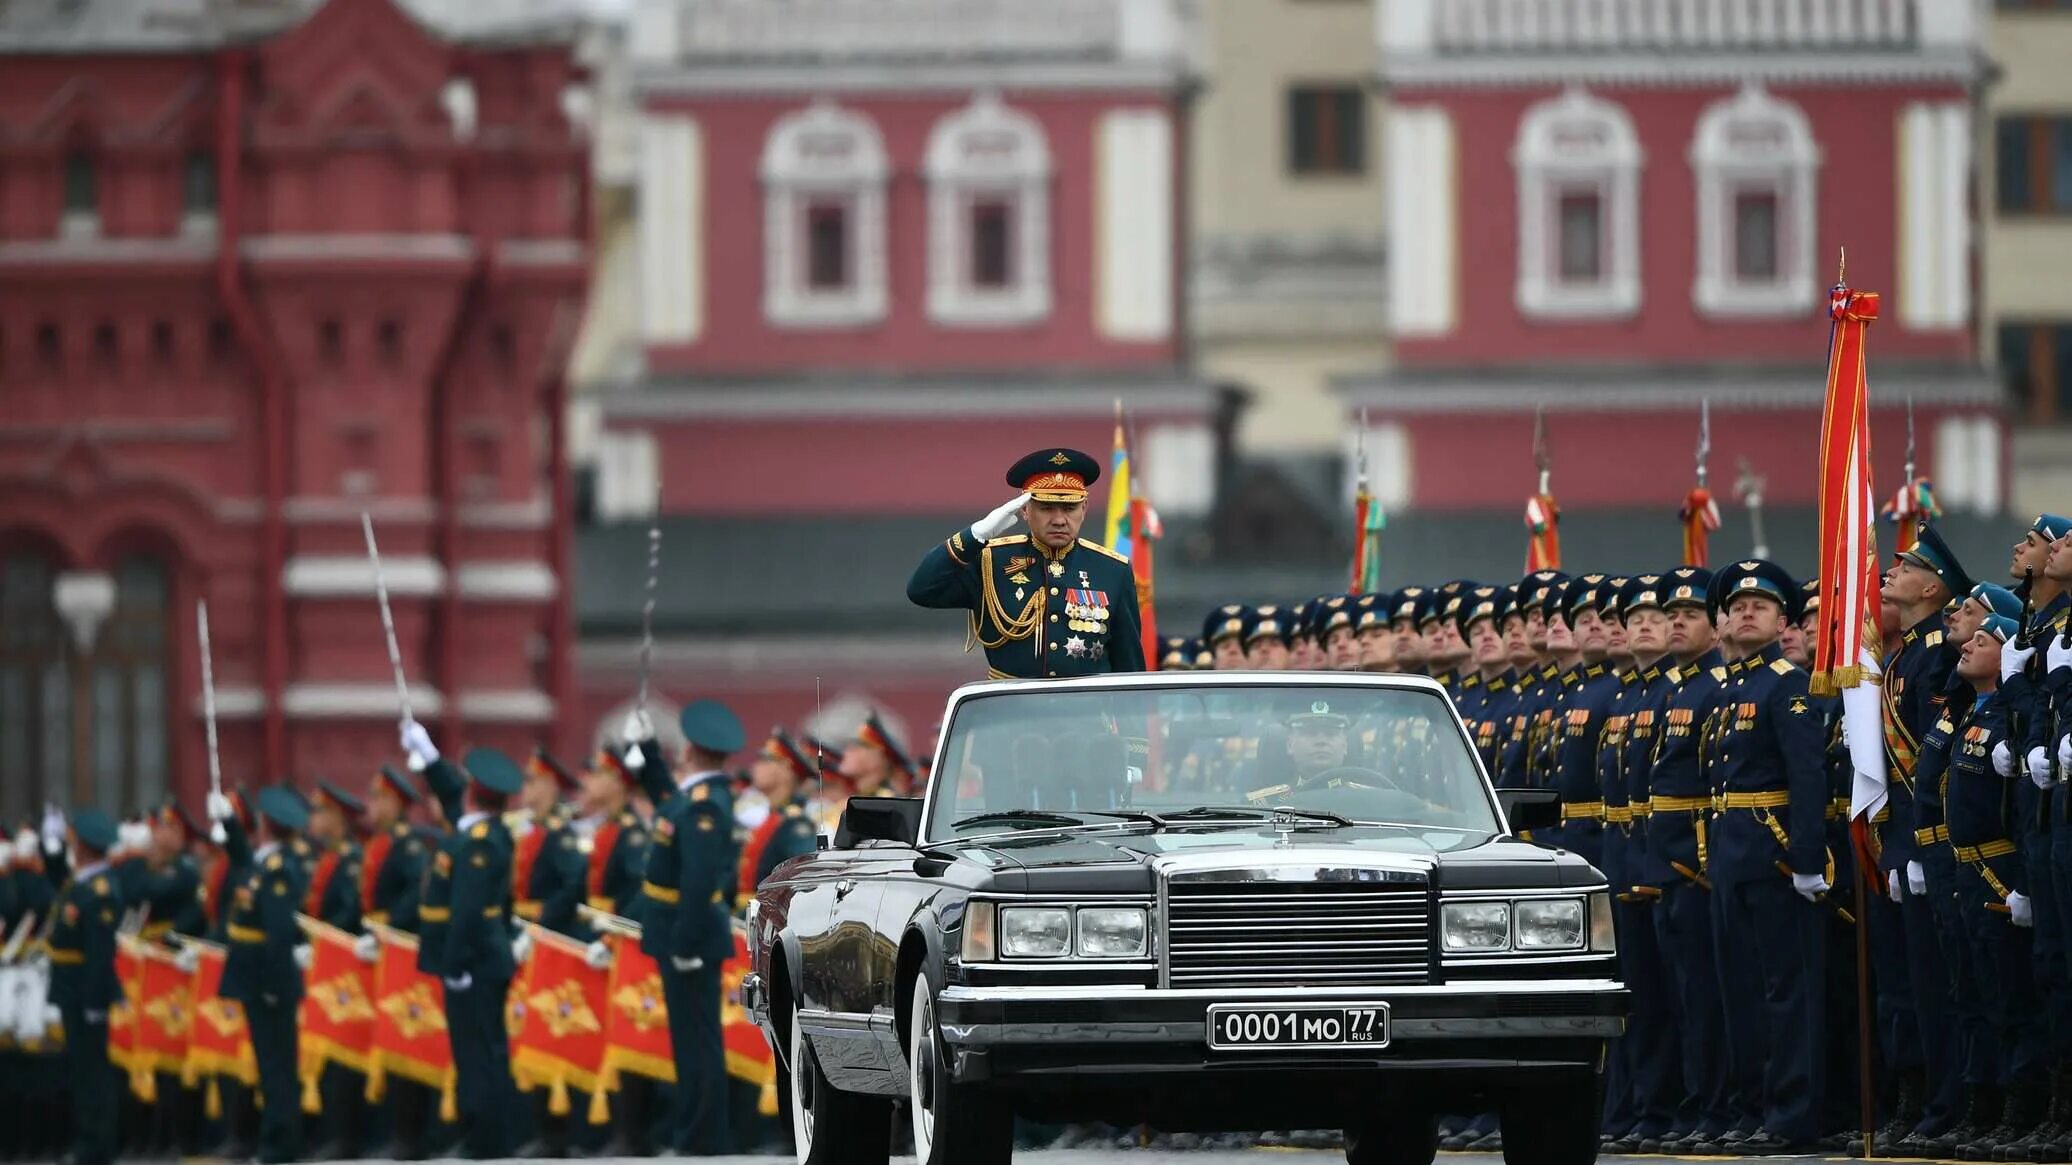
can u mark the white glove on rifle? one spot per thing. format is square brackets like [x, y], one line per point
[598, 955]
[2059, 655]
[2003, 759]
[2039, 767]
[418, 743]
[1892, 885]
[220, 808]
[304, 956]
[2013, 659]
[996, 523]
[187, 960]
[686, 965]
[521, 947]
[1917, 880]
[1809, 886]
[2019, 909]
[367, 948]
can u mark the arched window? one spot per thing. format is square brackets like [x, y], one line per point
[1578, 169]
[84, 715]
[824, 176]
[988, 217]
[1755, 162]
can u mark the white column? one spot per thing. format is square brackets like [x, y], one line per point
[1422, 220]
[1133, 245]
[1934, 230]
[672, 229]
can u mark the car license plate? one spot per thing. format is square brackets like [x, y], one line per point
[1234, 1027]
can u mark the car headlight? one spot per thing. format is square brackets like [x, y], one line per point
[979, 945]
[1035, 932]
[1549, 924]
[1112, 932]
[1475, 927]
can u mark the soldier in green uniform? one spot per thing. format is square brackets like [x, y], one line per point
[1046, 603]
[81, 942]
[263, 971]
[395, 855]
[547, 875]
[873, 762]
[332, 896]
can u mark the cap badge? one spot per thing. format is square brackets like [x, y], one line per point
[1059, 458]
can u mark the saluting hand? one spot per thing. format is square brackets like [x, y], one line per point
[996, 523]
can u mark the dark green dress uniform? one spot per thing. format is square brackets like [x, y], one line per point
[547, 876]
[685, 921]
[390, 871]
[1039, 613]
[472, 954]
[83, 987]
[261, 974]
[617, 864]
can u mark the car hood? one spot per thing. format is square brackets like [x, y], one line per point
[1127, 860]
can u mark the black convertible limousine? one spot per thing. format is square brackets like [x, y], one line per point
[1202, 901]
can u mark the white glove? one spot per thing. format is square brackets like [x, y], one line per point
[2003, 759]
[598, 955]
[521, 947]
[461, 984]
[638, 727]
[2065, 753]
[220, 808]
[52, 1017]
[53, 830]
[6, 852]
[1917, 880]
[686, 965]
[1892, 885]
[2039, 767]
[25, 844]
[1809, 886]
[136, 837]
[2018, 907]
[2013, 659]
[367, 948]
[188, 960]
[2059, 655]
[418, 743]
[996, 523]
[304, 956]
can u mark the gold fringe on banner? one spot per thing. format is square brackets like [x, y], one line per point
[600, 1107]
[212, 1100]
[449, 1105]
[557, 1097]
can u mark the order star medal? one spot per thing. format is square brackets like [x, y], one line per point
[1057, 570]
[1075, 647]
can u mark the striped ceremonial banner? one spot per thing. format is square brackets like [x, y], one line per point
[410, 1037]
[557, 1011]
[337, 1015]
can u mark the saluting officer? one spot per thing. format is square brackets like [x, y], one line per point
[263, 970]
[83, 986]
[1046, 603]
[547, 871]
[685, 924]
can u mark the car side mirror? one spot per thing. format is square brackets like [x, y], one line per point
[895, 819]
[1530, 808]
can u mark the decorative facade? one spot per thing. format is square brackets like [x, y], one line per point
[264, 268]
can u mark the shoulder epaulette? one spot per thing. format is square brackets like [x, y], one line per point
[1268, 791]
[1785, 667]
[1720, 674]
[1095, 546]
[1010, 540]
[1675, 674]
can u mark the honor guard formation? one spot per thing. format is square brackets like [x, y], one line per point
[469, 954]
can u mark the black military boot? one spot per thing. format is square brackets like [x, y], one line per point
[1906, 1110]
[2047, 1129]
[1981, 1117]
[2058, 1146]
[2019, 1116]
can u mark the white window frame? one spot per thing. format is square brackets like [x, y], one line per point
[1545, 167]
[1019, 176]
[1724, 168]
[793, 180]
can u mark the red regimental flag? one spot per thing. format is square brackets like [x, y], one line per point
[337, 1014]
[748, 1051]
[558, 1009]
[636, 1025]
[409, 1022]
[1700, 517]
[122, 1018]
[161, 1014]
[1543, 534]
[218, 1042]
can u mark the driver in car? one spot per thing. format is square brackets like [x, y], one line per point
[1318, 741]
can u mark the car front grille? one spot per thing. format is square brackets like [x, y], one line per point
[1226, 933]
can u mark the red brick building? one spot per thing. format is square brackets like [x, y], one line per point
[265, 265]
[1618, 209]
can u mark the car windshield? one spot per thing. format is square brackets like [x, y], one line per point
[1312, 755]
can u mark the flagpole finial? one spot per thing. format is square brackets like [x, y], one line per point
[1842, 265]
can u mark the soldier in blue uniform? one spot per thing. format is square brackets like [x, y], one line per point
[1477, 615]
[685, 925]
[1223, 631]
[1403, 613]
[1267, 628]
[1770, 866]
[1575, 707]
[1921, 582]
[263, 971]
[1046, 603]
[81, 943]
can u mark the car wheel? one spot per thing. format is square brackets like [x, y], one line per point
[829, 1126]
[1397, 1136]
[1553, 1121]
[954, 1124]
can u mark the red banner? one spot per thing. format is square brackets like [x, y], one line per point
[122, 1018]
[158, 1013]
[636, 1024]
[748, 1052]
[337, 1016]
[218, 1042]
[409, 1022]
[557, 1011]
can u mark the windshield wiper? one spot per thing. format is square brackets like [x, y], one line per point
[1255, 812]
[1005, 815]
[1153, 819]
